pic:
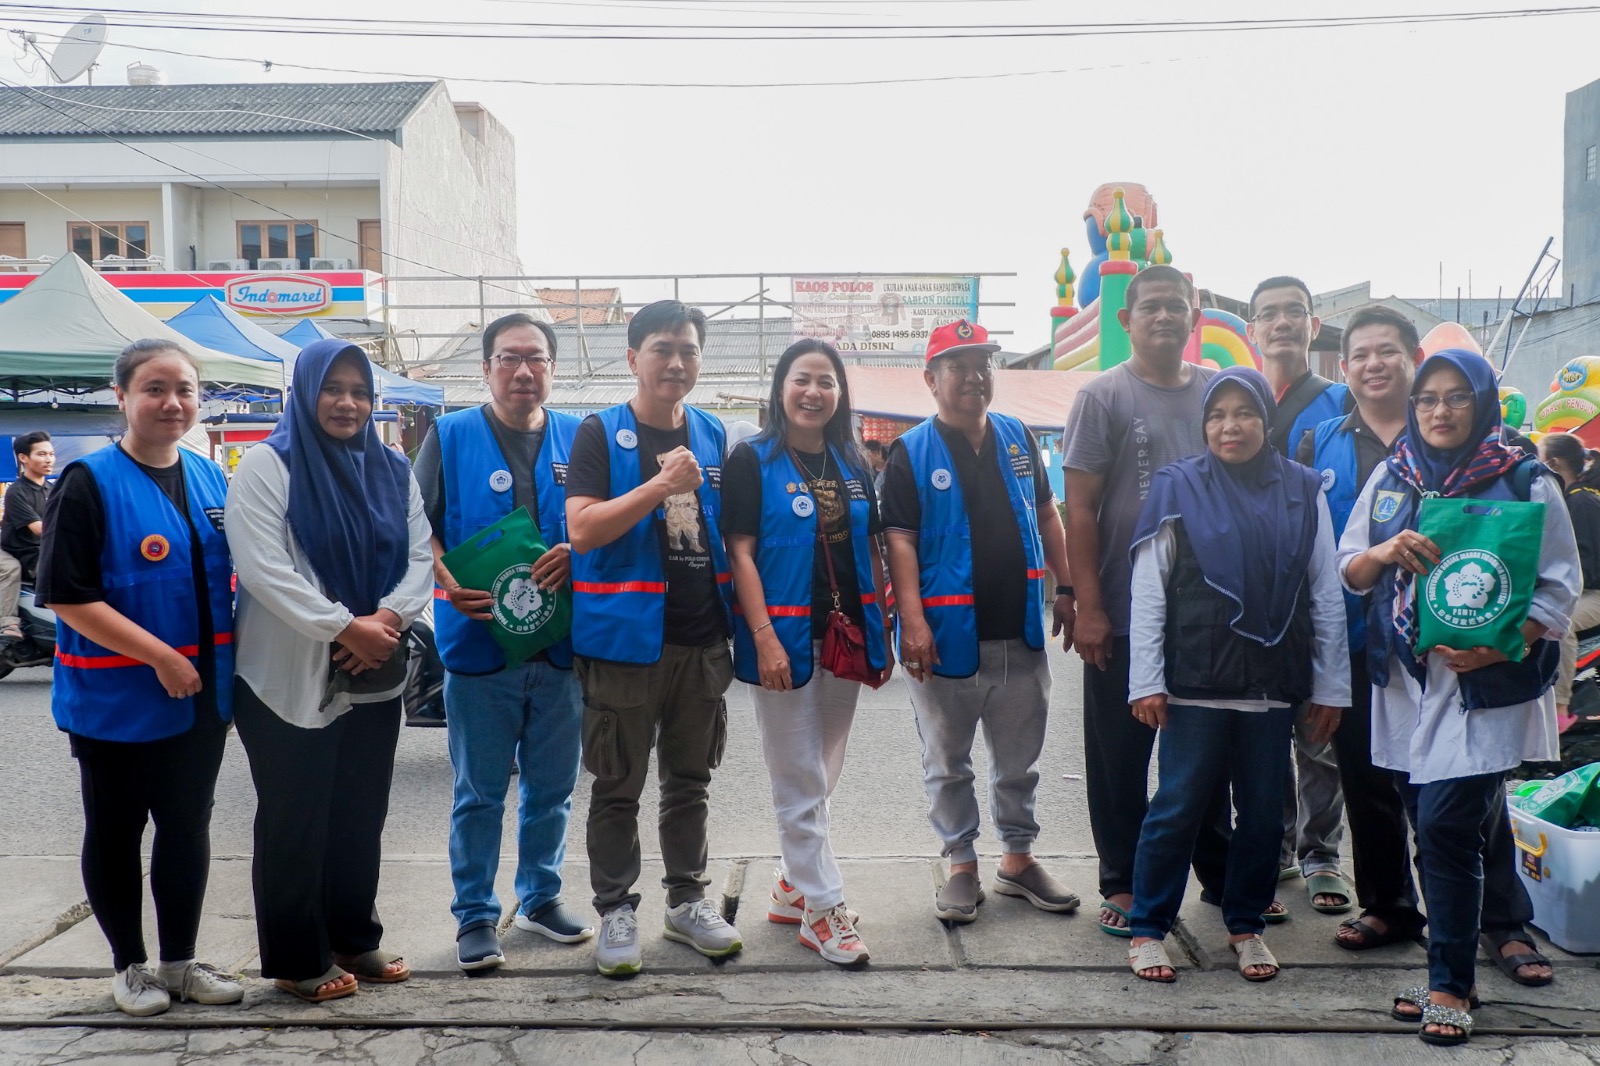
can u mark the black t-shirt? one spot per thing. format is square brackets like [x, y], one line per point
[999, 565]
[69, 557]
[1583, 505]
[741, 514]
[694, 614]
[25, 504]
[519, 448]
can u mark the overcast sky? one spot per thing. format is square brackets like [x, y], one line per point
[1339, 154]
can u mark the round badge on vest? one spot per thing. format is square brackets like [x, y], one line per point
[1328, 478]
[627, 438]
[500, 481]
[155, 547]
[803, 506]
[940, 479]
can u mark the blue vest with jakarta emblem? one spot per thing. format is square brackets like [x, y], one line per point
[944, 540]
[619, 591]
[1394, 508]
[1334, 456]
[147, 570]
[478, 493]
[786, 557]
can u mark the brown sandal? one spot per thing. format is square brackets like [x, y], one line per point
[311, 989]
[373, 966]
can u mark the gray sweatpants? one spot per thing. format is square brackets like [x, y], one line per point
[1313, 811]
[10, 588]
[1010, 697]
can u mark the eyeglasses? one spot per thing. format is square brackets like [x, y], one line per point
[509, 361]
[1456, 401]
[1294, 313]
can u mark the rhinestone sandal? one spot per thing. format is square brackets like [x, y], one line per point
[1438, 1014]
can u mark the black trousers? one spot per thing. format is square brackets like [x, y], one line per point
[125, 785]
[1377, 815]
[1117, 750]
[322, 796]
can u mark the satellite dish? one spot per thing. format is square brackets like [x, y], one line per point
[78, 49]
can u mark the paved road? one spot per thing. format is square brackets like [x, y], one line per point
[879, 808]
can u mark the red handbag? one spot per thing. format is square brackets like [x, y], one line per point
[844, 644]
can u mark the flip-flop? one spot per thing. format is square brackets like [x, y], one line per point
[310, 989]
[1327, 884]
[1288, 873]
[1115, 930]
[1370, 937]
[1509, 964]
[371, 966]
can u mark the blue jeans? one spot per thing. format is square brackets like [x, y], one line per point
[1453, 821]
[531, 713]
[1201, 749]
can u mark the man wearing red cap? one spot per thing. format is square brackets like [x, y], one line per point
[971, 628]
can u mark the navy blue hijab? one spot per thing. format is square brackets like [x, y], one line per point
[1252, 525]
[1482, 456]
[348, 500]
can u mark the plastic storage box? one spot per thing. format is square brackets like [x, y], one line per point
[1561, 870]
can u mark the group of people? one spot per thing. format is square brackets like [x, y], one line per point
[22, 524]
[1253, 612]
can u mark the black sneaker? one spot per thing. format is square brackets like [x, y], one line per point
[477, 947]
[556, 922]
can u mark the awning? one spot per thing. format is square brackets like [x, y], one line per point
[1040, 398]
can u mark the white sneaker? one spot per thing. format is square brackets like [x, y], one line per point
[138, 992]
[699, 924]
[833, 935]
[617, 951]
[788, 904]
[199, 982]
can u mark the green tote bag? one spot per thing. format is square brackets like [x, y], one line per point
[1479, 594]
[499, 559]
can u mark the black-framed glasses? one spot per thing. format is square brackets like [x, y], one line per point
[1294, 313]
[510, 361]
[1456, 401]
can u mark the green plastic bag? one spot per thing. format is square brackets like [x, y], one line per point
[1568, 801]
[1479, 594]
[499, 560]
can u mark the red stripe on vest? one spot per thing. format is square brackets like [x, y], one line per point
[106, 662]
[607, 587]
[947, 601]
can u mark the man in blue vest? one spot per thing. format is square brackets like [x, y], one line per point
[973, 534]
[1282, 328]
[651, 600]
[476, 467]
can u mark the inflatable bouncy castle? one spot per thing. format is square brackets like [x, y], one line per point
[1573, 405]
[1120, 223]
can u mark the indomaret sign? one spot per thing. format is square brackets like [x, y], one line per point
[278, 294]
[888, 313]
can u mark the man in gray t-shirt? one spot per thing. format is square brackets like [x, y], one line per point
[1125, 425]
[1123, 429]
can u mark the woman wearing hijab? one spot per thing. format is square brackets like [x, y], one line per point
[135, 565]
[330, 540]
[1237, 620]
[1454, 720]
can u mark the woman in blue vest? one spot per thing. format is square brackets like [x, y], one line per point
[1237, 620]
[1454, 721]
[332, 546]
[135, 565]
[801, 524]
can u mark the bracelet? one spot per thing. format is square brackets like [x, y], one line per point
[758, 629]
[1065, 590]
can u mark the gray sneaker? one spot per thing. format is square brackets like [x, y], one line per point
[139, 992]
[616, 953]
[199, 982]
[699, 924]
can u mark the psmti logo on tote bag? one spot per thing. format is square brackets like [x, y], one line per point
[520, 606]
[1469, 589]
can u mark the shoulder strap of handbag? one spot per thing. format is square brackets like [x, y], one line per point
[822, 533]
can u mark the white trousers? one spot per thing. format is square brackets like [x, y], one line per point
[803, 736]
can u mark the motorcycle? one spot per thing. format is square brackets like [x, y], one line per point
[38, 644]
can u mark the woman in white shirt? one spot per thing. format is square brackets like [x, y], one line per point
[330, 541]
[1237, 620]
[1454, 721]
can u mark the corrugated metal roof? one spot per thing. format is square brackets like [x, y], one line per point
[200, 110]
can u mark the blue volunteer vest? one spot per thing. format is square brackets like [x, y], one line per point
[146, 567]
[785, 556]
[478, 493]
[1394, 508]
[1327, 404]
[619, 591]
[1334, 456]
[944, 540]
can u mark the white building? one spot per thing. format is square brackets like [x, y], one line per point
[200, 184]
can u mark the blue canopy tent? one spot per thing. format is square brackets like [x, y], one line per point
[392, 387]
[210, 322]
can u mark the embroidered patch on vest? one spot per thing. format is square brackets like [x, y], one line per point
[1387, 505]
